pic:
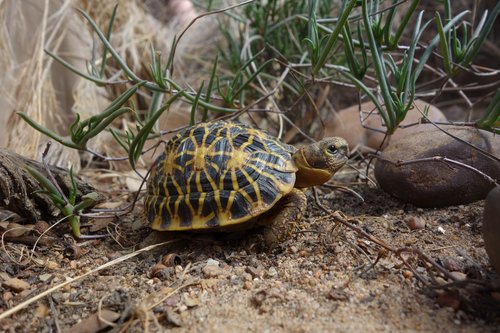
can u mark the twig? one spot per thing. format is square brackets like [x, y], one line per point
[493, 157]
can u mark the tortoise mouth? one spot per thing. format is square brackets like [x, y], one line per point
[318, 162]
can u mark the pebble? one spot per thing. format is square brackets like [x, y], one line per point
[458, 276]
[246, 277]
[449, 299]
[256, 272]
[407, 274]
[41, 227]
[436, 183]
[191, 302]
[415, 222]
[44, 277]
[16, 284]
[16, 229]
[211, 271]
[51, 264]
[247, 285]
[212, 262]
[440, 281]
[42, 311]
[452, 264]
[7, 296]
[272, 272]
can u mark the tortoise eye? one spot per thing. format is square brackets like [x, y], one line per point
[332, 150]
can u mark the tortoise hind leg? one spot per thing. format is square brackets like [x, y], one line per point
[284, 218]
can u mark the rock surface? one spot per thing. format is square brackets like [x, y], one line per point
[491, 227]
[347, 124]
[436, 183]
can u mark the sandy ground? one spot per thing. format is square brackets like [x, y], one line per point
[321, 280]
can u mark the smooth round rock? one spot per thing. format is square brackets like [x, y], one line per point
[491, 227]
[437, 183]
[347, 124]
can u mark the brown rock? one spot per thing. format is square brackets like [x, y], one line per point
[16, 284]
[435, 183]
[348, 125]
[491, 227]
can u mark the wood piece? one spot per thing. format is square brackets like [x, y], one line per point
[19, 190]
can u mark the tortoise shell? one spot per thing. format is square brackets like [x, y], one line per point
[217, 174]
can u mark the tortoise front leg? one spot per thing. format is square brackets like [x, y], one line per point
[285, 217]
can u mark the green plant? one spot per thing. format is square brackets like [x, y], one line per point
[285, 48]
[68, 205]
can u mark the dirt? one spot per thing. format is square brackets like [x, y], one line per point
[328, 277]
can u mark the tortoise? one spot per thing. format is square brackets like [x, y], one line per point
[224, 176]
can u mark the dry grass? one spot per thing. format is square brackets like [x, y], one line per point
[51, 95]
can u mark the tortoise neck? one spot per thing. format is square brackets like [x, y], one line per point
[306, 174]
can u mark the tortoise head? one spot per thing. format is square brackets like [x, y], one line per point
[318, 162]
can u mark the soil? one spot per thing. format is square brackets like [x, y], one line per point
[326, 278]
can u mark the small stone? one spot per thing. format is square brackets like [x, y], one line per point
[211, 271]
[42, 311]
[247, 285]
[415, 222]
[256, 272]
[7, 296]
[51, 264]
[44, 277]
[16, 284]
[440, 281]
[272, 272]
[338, 295]
[303, 253]
[173, 317]
[407, 274]
[191, 302]
[452, 264]
[212, 262]
[449, 299]
[246, 277]
[458, 276]
[16, 229]
[441, 230]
